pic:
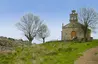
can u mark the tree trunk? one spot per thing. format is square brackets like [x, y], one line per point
[43, 40]
[30, 40]
[85, 35]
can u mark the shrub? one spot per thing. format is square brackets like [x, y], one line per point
[52, 53]
[11, 39]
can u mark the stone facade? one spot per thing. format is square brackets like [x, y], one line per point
[73, 29]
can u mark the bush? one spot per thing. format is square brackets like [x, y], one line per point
[11, 39]
[5, 42]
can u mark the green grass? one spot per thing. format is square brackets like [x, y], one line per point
[47, 53]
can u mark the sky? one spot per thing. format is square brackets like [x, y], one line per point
[53, 12]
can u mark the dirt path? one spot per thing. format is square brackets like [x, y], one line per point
[89, 57]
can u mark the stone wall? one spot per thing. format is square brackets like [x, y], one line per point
[66, 33]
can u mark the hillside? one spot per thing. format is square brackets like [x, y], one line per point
[48, 53]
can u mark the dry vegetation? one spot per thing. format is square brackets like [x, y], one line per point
[54, 52]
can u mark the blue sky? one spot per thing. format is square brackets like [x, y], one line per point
[53, 12]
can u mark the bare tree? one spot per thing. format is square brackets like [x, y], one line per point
[29, 25]
[88, 17]
[43, 32]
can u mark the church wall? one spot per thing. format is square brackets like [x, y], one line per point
[66, 33]
[80, 33]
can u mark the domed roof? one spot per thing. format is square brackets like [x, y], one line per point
[73, 24]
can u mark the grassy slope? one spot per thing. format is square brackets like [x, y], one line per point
[47, 53]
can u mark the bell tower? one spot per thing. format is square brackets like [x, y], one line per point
[73, 16]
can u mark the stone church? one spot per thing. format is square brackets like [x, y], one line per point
[73, 29]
